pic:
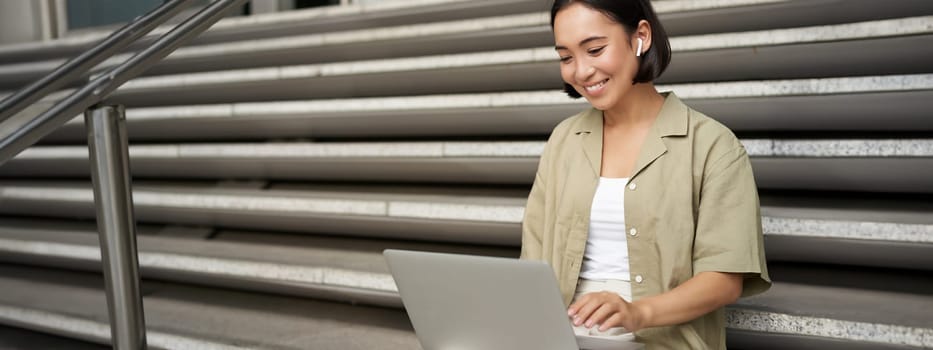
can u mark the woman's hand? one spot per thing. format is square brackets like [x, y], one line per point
[608, 310]
[702, 294]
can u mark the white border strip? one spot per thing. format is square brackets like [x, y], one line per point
[420, 209]
[764, 88]
[210, 201]
[455, 211]
[802, 87]
[375, 66]
[792, 36]
[770, 322]
[694, 5]
[857, 230]
[502, 149]
[839, 148]
[360, 36]
[215, 266]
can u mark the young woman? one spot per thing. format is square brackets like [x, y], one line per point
[646, 209]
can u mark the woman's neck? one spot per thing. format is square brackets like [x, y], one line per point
[640, 106]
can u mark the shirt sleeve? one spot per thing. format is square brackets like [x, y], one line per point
[728, 232]
[533, 221]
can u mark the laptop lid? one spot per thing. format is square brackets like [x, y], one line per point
[463, 302]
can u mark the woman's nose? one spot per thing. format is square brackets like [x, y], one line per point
[584, 72]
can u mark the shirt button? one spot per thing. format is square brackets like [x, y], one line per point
[633, 232]
[639, 279]
[631, 186]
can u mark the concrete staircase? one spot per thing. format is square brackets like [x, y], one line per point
[277, 156]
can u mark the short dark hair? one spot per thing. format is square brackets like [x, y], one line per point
[628, 13]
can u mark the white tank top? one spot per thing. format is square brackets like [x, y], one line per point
[606, 255]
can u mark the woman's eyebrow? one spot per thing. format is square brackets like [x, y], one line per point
[582, 42]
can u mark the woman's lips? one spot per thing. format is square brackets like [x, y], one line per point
[595, 89]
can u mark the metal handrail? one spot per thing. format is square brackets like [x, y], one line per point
[109, 152]
[75, 67]
[15, 140]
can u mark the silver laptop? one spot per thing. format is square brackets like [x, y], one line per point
[465, 302]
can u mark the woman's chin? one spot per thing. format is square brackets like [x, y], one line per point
[598, 103]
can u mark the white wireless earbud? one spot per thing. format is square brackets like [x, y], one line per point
[640, 43]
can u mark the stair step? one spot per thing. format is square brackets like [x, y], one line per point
[808, 52]
[687, 17]
[782, 163]
[352, 269]
[466, 219]
[331, 268]
[830, 104]
[872, 317]
[509, 70]
[870, 235]
[241, 266]
[846, 314]
[851, 104]
[184, 317]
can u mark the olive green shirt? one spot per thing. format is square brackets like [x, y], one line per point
[691, 206]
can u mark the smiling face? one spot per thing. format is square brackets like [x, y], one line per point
[597, 55]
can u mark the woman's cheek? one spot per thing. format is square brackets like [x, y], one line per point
[566, 73]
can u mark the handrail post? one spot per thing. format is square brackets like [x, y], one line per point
[113, 197]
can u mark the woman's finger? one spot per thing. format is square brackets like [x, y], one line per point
[575, 306]
[585, 310]
[601, 313]
[614, 320]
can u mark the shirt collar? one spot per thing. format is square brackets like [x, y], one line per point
[672, 120]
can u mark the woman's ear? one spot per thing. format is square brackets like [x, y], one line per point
[643, 32]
